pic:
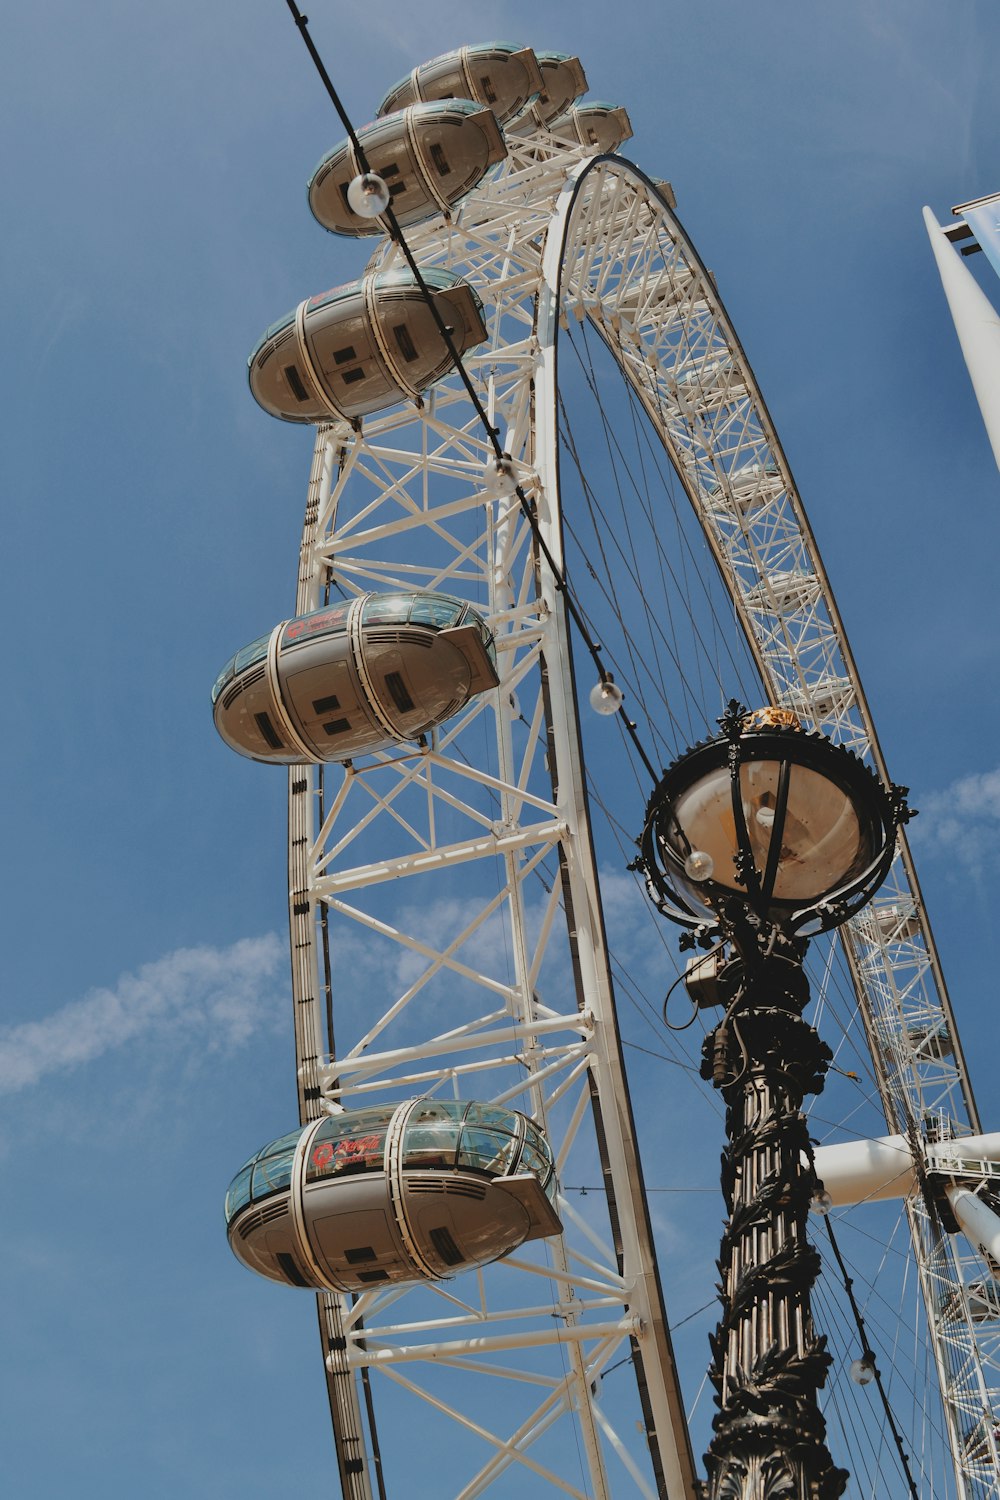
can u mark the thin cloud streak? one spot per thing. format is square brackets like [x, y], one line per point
[217, 996]
[964, 820]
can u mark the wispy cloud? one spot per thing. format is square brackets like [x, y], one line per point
[964, 821]
[214, 997]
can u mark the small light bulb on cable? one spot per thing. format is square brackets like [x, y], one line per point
[699, 865]
[368, 195]
[821, 1203]
[606, 697]
[498, 474]
[862, 1370]
[765, 817]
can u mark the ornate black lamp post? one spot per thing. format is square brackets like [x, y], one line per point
[754, 841]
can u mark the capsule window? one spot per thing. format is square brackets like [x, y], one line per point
[486, 635]
[533, 1161]
[397, 690]
[493, 1115]
[445, 1246]
[254, 652]
[387, 609]
[354, 1142]
[336, 726]
[405, 342]
[223, 677]
[431, 1143]
[360, 1255]
[238, 1195]
[318, 622]
[272, 1174]
[439, 1109]
[295, 385]
[439, 159]
[268, 732]
[437, 612]
[326, 705]
[279, 1147]
[486, 1150]
[290, 1267]
[344, 356]
[351, 377]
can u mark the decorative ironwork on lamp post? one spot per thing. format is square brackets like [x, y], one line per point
[755, 841]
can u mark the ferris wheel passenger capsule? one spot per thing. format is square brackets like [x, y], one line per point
[362, 347]
[604, 127]
[416, 1191]
[354, 678]
[563, 82]
[499, 75]
[426, 157]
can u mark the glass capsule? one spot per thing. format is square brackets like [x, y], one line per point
[563, 81]
[604, 127]
[362, 347]
[393, 1193]
[429, 156]
[499, 75]
[353, 678]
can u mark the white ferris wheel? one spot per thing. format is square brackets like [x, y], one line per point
[467, 946]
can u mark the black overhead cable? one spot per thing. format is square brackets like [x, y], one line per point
[492, 432]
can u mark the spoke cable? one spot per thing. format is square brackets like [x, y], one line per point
[868, 1353]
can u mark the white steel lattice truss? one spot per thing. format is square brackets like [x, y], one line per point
[470, 982]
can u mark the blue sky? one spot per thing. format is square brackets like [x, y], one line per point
[155, 223]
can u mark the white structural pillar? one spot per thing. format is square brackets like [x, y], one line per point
[978, 1222]
[977, 325]
[863, 1171]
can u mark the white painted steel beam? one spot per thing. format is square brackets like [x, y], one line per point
[863, 1171]
[866, 1171]
[980, 1225]
[977, 325]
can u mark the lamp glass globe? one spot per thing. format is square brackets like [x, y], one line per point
[699, 865]
[368, 195]
[606, 697]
